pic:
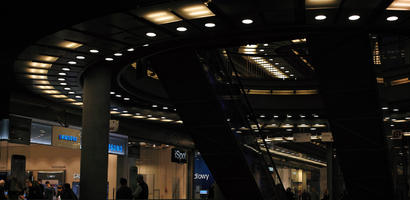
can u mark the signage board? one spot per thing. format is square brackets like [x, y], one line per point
[178, 155]
[302, 137]
[66, 137]
[327, 137]
[117, 144]
[397, 134]
[203, 179]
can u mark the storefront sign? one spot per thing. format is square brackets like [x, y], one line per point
[203, 179]
[178, 156]
[68, 138]
[113, 148]
[117, 144]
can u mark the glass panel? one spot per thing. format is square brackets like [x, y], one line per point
[40, 134]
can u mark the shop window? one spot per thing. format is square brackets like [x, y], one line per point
[40, 134]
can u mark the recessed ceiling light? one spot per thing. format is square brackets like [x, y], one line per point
[210, 25]
[117, 54]
[39, 65]
[67, 88]
[354, 17]
[247, 21]
[130, 49]
[70, 45]
[392, 18]
[109, 59]
[63, 83]
[78, 97]
[181, 29]
[126, 98]
[112, 92]
[262, 50]
[385, 108]
[161, 17]
[286, 71]
[71, 92]
[125, 111]
[94, 51]
[149, 115]
[396, 109]
[151, 34]
[154, 106]
[80, 57]
[65, 69]
[118, 95]
[275, 116]
[145, 45]
[165, 108]
[72, 62]
[195, 11]
[292, 75]
[282, 67]
[266, 45]
[62, 74]
[115, 109]
[262, 116]
[320, 17]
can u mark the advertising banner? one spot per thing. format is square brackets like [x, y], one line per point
[203, 179]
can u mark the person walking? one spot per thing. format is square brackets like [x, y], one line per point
[33, 190]
[2, 190]
[289, 194]
[67, 193]
[305, 195]
[141, 192]
[49, 191]
[124, 192]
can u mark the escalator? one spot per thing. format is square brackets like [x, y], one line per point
[214, 110]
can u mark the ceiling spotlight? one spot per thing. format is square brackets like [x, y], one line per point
[354, 17]
[275, 116]
[385, 108]
[247, 21]
[118, 95]
[71, 92]
[320, 17]
[65, 69]
[262, 50]
[262, 116]
[181, 29]
[130, 49]
[210, 25]
[61, 79]
[72, 62]
[265, 45]
[392, 18]
[63, 83]
[154, 106]
[109, 59]
[150, 34]
[67, 88]
[62, 74]
[80, 57]
[396, 110]
[126, 98]
[286, 71]
[117, 54]
[165, 108]
[112, 92]
[94, 51]
[292, 75]
[145, 45]
[78, 97]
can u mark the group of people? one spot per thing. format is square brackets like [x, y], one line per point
[139, 191]
[35, 190]
[313, 195]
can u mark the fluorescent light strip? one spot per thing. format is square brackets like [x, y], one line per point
[399, 5]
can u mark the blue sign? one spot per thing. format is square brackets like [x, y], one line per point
[114, 148]
[203, 179]
[68, 138]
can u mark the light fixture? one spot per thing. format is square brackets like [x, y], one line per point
[36, 71]
[354, 17]
[130, 49]
[78, 103]
[154, 106]
[67, 88]
[126, 98]
[292, 75]
[126, 115]
[117, 54]
[70, 45]
[151, 34]
[125, 111]
[262, 116]
[302, 116]
[312, 129]
[289, 129]
[247, 21]
[161, 17]
[114, 112]
[39, 65]
[165, 108]
[109, 59]
[145, 45]
[65, 69]
[78, 97]
[63, 83]
[261, 50]
[399, 5]
[94, 51]
[44, 87]
[385, 108]
[289, 116]
[275, 116]
[51, 91]
[80, 57]
[149, 115]
[61, 96]
[315, 115]
[47, 58]
[118, 95]
[195, 11]
[210, 25]
[392, 18]
[112, 92]
[71, 92]
[395, 109]
[265, 45]
[37, 77]
[321, 4]
[61, 79]
[320, 17]
[62, 74]
[72, 62]
[182, 29]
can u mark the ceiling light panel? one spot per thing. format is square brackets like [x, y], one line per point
[161, 17]
[36, 71]
[47, 58]
[70, 44]
[321, 4]
[399, 5]
[39, 65]
[195, 11]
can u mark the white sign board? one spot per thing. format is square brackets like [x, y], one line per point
[327, 137]
[302, 137]
[114, 125]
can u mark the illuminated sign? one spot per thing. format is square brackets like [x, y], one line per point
[116, 149]
[68, 138]
[178, 156]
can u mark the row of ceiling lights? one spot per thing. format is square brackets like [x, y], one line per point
[354, 18]
[289, 116]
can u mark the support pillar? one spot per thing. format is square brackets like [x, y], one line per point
[95, 132]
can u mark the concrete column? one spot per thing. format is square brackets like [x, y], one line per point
[95, 132]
